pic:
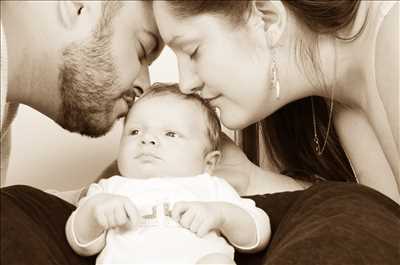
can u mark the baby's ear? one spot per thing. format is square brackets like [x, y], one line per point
[211, 160]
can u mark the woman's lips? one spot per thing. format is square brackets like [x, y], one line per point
[210, 99]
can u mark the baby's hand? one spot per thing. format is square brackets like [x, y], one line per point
[111, 211]
[199, 217]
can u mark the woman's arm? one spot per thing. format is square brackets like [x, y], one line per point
[247, 178]
[365, 152]
[387, 69]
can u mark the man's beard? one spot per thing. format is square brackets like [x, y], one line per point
[89, 81]
[89, 87]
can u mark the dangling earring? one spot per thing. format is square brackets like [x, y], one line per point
[274, 71]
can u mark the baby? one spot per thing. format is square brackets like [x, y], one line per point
[167, 208]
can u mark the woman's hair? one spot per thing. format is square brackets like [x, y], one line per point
[213, 125]
[288, 133]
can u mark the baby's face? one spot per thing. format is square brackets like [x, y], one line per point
[163, 136]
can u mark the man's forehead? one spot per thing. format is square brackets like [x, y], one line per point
[142, 14]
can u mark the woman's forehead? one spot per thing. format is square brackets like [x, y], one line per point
[176, 31]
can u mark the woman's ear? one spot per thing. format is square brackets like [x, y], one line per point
[274, 15]
[211, 161]
[71, 11]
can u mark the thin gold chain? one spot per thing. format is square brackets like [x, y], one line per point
[317, 147]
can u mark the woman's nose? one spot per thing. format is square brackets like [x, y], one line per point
[189, 80]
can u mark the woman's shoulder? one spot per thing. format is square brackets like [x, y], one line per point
[387, 68]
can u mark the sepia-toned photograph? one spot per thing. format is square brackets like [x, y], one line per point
[247, 132]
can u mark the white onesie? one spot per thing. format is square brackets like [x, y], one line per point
[159, 239]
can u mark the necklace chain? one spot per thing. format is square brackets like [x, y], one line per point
[317, 145]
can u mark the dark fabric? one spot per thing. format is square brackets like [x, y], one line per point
[330, 223]
[33, 229]
[276, 205]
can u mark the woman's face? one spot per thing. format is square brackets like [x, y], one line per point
[228, 64]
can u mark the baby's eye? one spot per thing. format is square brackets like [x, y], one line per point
[135, 132]
[171, 134]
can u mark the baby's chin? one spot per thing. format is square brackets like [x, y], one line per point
[147, 174]
[144, 174]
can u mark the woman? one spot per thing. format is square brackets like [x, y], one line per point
[307, 70]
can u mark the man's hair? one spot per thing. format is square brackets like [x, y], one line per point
[213, 124]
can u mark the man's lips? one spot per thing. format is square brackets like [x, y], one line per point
[125, 100]
[129, 97]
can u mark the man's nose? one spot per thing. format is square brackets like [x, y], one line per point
[189, 80]
[142, 82]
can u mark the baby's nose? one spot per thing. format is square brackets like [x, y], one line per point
[149, 139]
[153, 142]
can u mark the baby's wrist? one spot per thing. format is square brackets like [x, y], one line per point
[218, 209]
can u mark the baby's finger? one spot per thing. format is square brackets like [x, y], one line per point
[120, 215]
[196, 224]
[101, 218]
[179, 209]
[111, 219]
[187, 219]
[132, 212]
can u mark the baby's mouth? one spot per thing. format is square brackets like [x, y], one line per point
[147, 156]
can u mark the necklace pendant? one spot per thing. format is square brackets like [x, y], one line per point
[278, 90]
[316, 145]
